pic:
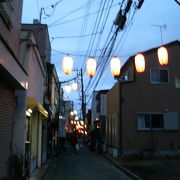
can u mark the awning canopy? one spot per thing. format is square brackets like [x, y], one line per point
[33, 104]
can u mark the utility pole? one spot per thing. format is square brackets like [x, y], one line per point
[83, 105]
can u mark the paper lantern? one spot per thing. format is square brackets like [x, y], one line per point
[115, 66]
[91, 67]
[140, 63]
[163, 56]
[67, 64]
[68, 89]
[74, 86]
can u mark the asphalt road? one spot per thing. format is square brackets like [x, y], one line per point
[83, 165]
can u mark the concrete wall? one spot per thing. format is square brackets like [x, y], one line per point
[103, 101]
[42, 38]
[113, 122]
[11, 65]
[36, 73]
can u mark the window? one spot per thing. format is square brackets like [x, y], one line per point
[143, 121]
[159, 76]
[157, 121]
[125, 77]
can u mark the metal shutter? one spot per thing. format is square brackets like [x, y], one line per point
[6, 119]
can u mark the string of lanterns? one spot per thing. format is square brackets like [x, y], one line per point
[140, 60]
[73, 86]
[115, 64]
[67, 66]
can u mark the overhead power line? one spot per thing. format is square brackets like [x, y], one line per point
[75, 19]
[71, 37]
[67, 14]
[140, 4]
[53, 6]
[177, 1]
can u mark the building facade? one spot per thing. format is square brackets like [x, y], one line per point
[35, 152]
[143, 109]
[13, 84]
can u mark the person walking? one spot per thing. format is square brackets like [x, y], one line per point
[73, 141]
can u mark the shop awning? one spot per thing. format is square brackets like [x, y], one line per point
[33, 104]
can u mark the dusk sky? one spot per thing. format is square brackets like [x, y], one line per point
[72, 28]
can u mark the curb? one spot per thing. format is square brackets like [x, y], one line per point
[40, 173]
[120, 167]
[50, 171]
[45, 172]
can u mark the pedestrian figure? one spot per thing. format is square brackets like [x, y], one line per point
[73, 141]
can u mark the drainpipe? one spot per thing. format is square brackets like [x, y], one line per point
[120, 120]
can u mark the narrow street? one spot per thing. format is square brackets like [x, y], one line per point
[83, 165]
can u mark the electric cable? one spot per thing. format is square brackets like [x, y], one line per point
[74, 19]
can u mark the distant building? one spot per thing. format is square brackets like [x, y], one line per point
[143, 109]
[94, 113]
[42, 38]
[99, 110]
[69, 107]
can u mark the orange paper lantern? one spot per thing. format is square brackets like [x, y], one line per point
[140, 63]
[91, 67]
[163, 56]
[67, 64]
[115, 66]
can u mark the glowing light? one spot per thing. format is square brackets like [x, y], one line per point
[75, 112]
[30, 110]
[68, 89]
[28, 113]
[140, 63]
[71, 113]
[67, 64]
[74, 86]
[82, 122]
[91, 66]
[115, 66]
[163, 56]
